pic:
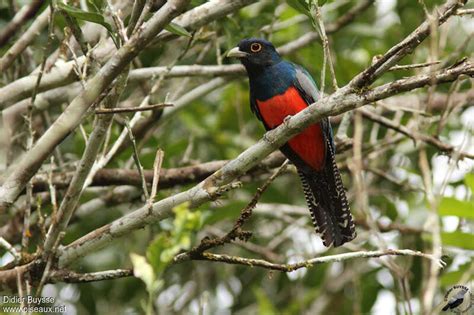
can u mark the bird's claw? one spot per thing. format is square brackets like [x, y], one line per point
[286, 119]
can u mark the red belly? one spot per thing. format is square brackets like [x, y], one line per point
[309, 144]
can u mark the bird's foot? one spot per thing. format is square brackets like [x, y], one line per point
[286, 119]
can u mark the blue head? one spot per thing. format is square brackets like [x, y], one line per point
[256, 54]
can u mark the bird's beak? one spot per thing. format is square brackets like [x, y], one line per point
[236, 53]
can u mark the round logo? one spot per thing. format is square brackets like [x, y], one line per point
[458, 300]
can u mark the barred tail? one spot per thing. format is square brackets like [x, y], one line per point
[327, 203]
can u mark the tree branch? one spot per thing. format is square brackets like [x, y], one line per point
[235, 260]
[70, 276]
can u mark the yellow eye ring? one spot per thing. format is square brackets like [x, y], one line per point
[255, 47]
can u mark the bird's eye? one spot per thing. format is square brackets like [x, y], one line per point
[255, 47]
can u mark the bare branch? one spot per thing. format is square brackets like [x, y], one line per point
[307, 263]
[131, 109]
[156, 175]
[168, 177]
[70, 276]
[414, 66]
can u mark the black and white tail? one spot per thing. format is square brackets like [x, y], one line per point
[327, 202]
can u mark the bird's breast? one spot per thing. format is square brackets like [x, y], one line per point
[309, 145]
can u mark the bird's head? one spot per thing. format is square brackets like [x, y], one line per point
[255, 53]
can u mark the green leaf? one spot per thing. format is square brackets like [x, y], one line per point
[166, 245]
[88, 16]
[177, 29]
[300, 6]
[84, 15]
[453, 206]
[143, 270]
[458, 239]
[155, 250]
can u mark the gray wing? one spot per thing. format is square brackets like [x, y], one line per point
[309, 91]
[306, 85]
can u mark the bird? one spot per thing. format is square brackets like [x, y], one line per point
[280, 89]
[456, 300]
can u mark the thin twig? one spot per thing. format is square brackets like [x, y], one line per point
[326, 50]
[235, 260]
[131, 109]
[137, 10]
[464, 11]
[414, 66]
[156, 175]
[76, 186]
[69, 276]
[137, 159]
[400, 50]
[49, 263]
[433, 223]
[30, 139]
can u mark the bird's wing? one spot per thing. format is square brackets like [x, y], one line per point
[309, 91]
[305, 84]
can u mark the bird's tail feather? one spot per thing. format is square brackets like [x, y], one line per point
[327, 203]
